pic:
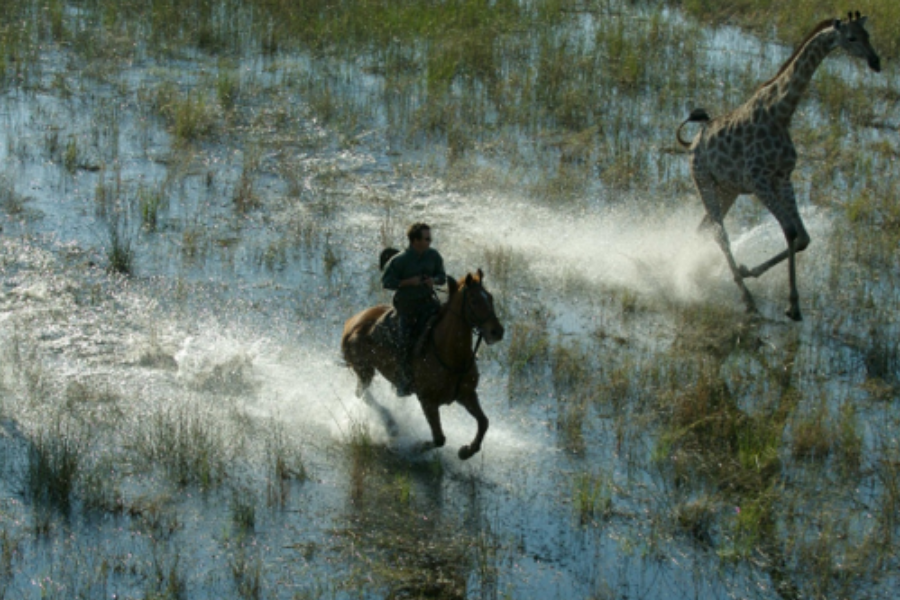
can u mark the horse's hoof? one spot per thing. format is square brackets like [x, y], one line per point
[793, 313]
[466, 452]
[423, 447]
[426, 446]
[745, 272]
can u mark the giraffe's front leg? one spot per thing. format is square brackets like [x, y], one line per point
[783, 204]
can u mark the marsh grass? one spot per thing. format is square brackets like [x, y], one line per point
[849, 439]
[592, 497]
[99, 489]
[244, 197]
[529, 345]
[120, 249]
[227, 88]
[408, 556]
[55, 457]
[190, 117]
[11, 201]
[193, 243]
[243, 509]
[697, 518]
[247, 571]
[285, 465]
[70, 157]
[505, 268]
[751, 526]
[813, 435]
[791, 23]
[150, 202]
[167, 580]
[184, 442]
[331, 260]
[9, 552]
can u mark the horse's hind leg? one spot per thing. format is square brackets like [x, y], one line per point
[364, 378]
[474, 407]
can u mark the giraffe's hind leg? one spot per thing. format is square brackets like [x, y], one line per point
[722, 239]
[717, 202]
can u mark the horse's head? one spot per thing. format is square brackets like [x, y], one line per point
[478, 308]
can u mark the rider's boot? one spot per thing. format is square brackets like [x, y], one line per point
[405, 386]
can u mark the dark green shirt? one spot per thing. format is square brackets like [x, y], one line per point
[410, 263]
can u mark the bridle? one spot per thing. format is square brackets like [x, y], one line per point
[476, 325]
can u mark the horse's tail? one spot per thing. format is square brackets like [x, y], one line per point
[697, 115]
[386, 255]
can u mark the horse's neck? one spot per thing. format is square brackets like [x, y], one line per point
[452, 330]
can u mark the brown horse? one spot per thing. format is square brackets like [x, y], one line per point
[444, 370]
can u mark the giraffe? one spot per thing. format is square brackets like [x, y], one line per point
[749, 150]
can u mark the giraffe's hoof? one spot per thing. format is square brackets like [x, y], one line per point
[751, 306]
[793, 313]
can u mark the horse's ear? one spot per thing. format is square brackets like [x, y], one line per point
[452, 285]
[468, 279]
[480, 275]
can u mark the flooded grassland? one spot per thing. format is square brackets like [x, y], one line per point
[192, 199]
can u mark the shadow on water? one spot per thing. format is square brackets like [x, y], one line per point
[410, 544]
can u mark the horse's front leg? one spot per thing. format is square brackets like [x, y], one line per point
[470, 401]
[432, 412]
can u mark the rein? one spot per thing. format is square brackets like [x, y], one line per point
[469, 364]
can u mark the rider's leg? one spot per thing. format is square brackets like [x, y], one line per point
[404, 355]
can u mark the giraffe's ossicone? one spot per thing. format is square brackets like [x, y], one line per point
[749, 150]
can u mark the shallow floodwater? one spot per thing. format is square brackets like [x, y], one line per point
[222, 450]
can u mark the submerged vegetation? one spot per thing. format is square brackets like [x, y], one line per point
[232, 168]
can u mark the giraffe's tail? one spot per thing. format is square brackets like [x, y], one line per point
[697, 115]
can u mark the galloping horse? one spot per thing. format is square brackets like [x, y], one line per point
[444, 370]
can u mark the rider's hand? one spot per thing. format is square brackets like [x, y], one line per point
[427, 281]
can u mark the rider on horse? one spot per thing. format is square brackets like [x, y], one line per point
[413, 274]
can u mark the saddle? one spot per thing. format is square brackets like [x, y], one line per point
[387, 332]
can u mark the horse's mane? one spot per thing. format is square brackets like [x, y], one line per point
[453, 287]
[816, 30]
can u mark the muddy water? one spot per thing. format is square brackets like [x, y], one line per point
[235, 315]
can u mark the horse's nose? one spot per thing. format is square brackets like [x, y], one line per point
[497, 333]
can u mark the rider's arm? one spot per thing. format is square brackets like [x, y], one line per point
[390, 279]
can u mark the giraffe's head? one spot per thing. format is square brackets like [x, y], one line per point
[853, 37]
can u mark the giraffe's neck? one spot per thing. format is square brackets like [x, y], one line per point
[782, 95]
